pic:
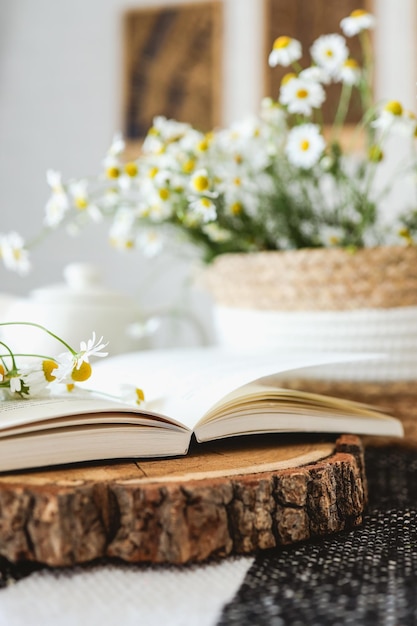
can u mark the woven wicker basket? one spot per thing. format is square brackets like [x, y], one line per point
[368, 281]
[315, 280]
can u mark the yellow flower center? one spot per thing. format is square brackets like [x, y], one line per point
[113, 172]
[205, 203]
[188, 166]
[140, 396]
[238, 158]
[329, 52]
[201, 182]
[237, 181]
[153, 172]
[164, 193]
[375, 154]
[236, 208]
[304, 145]
[351, 63]
[282, 42]
[302, 93]
[358, 13]
[406, 235]
[394, 107]
[131, 169]
[48, 366]
[203, 145]
[70, 387]
[287, 77]
[81, 373]
[2, 372]
[81, 203]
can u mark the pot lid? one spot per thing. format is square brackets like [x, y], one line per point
[83, 286]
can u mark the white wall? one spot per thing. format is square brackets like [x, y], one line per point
[60, 104]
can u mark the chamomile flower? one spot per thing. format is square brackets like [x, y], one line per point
[357, 21]
[75, 367]
[132, 395]
[200, 183]
[150, 241]
[91, 348]
[112, 163]
[272, 113]
[285, 50]
[331, 236]
[315, 73]
[216, 233]
[350, 72]
[14, 253]
[302, 96]
[58, 203]
[82, 202]
[330, 52]
[204, 209]
[305, 144]
[121, 235]
[394, 118]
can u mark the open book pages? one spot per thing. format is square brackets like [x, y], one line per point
[209, 392]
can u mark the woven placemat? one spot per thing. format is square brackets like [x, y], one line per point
[364, 577]
[319, 279]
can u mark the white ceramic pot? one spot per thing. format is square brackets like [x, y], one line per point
[72, 310]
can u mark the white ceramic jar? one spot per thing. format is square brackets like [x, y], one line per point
[72, 310]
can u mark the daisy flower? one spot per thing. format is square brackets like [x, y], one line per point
[302, 96]
[200, 183]
[79, 191]
[131, 395]
[204, 208]
[357, 21]
[91, 348]
[285, 50]
[215, 233]
[315, 73]
[394, 118]
[331, 235]
[330, 52]
[58, 203]
[75, 366]
[111, 162]
[305, 145]
[350, 72]
[150, 242]
[14, 253]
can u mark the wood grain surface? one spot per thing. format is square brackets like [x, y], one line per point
[231, 497]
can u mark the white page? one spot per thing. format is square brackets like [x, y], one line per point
[15, 413]
[184, 383]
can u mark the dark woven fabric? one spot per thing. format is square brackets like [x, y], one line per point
[366, 576]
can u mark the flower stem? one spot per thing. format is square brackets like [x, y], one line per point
[8, 355]
[64, 343]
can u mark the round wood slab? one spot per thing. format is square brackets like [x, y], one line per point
[228, 497]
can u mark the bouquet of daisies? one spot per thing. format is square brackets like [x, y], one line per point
[279, 180]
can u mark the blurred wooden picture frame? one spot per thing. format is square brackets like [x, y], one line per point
[172, 66]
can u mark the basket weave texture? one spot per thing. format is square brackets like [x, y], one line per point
[319, 279]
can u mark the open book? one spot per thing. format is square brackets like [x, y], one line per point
[206, 392]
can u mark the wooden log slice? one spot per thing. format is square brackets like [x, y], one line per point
[229, 497]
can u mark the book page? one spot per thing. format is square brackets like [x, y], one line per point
[19, 416]
[185, 383]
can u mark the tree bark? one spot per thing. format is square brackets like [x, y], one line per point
[222, 499]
